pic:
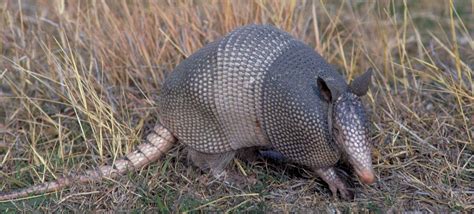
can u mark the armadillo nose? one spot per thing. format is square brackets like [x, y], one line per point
[366, 176]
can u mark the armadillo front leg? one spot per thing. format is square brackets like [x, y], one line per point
[334, 181]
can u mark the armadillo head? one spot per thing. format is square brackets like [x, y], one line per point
[350, 127]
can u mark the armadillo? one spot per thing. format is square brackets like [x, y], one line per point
[255, 87]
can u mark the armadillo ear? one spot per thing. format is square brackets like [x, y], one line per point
[360, 85]
[324, 90]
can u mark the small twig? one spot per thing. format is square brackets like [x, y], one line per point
[77, 194]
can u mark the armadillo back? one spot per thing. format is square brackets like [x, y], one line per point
[212, 101]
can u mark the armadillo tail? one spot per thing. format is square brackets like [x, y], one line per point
[157, 144]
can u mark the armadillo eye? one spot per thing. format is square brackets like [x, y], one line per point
[336, 129]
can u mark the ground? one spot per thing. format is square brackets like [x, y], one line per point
[79, 81]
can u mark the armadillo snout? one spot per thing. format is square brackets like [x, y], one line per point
[366, 176]
[351, 132]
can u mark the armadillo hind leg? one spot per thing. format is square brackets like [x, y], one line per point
[335, 183]
[216, 163]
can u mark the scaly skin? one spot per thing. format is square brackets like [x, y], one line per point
[157, 144]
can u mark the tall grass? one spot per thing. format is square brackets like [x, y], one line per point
[78, 82]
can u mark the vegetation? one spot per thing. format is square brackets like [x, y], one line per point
[78, 82]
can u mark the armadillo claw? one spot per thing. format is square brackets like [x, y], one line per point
[341, 187]
[335, 183]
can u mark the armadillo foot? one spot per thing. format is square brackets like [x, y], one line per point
[335, 182]
[216, 164]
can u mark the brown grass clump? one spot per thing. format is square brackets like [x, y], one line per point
[78, 81]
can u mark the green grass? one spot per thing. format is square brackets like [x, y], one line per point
[79, 80]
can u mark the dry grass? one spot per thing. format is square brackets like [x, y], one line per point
[78, 81]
